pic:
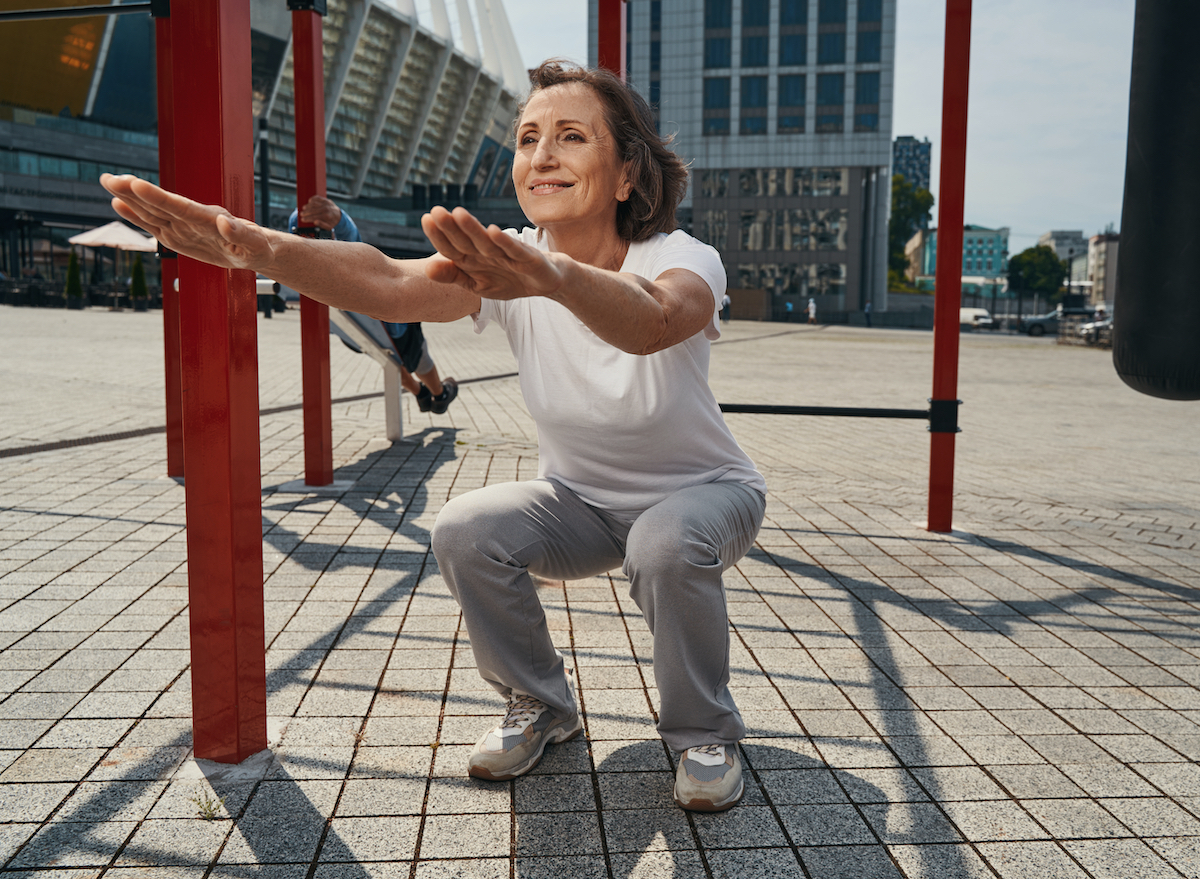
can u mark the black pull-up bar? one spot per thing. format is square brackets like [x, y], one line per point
[154, 7]
[942, 415]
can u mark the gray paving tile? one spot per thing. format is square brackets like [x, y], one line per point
[192, 843]
[63, 845]
[565, 833]
[532, 867]
[761, 862]
[1119, 859]
[989, 820]
[384, 839]
[939, 862]
[1030, 860]
[849, 862]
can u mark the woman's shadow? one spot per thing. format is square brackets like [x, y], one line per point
[791, 798]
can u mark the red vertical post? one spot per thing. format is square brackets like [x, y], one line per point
[168, 263]
[611, 33]
[948, 280]
[308, 67]
[214, 142]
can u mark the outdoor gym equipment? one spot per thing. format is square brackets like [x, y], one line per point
[1156, 324]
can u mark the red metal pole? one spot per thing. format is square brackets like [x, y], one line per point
[168, 264]
[307, 63]
[611, 31]
[948, 280]
[214, 143]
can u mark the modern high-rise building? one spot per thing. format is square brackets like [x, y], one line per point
[783, 110]
[910, 159]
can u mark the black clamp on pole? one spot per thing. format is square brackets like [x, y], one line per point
[165, 253]
[943, 416]
[318, 6]
[160, 8]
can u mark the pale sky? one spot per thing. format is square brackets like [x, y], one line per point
[1048, 112]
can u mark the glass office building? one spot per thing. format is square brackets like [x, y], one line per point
[783, 109]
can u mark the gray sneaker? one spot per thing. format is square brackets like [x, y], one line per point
[709, 779]
[515, 746]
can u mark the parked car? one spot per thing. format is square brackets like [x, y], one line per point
[1097, 332]
[975, 319]
[1048, 323]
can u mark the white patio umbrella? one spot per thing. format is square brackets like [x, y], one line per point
[116, 235]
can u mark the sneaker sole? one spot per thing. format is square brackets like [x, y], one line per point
[699, 805]
[560, 735]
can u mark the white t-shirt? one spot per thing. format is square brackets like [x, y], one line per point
[623, 431]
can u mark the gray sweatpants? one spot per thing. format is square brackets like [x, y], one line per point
[487, 543]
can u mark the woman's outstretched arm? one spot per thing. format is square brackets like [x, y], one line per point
[356, 277]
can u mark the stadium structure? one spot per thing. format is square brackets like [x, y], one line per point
[419, 102]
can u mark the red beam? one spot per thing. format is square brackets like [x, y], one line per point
[214, 142]
[948, 280]
[307, 62]
[168, 264]
[611, 33]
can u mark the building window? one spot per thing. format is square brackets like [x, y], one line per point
[716, 106]
[832, 12]
[753, 125]
[831, 89]
[793, 12]
[755, 13]
[866, 88]
[870, 10]
[831, 92]
[754, 91]
[793, 48]
[716, 93]
[869, 43]
[791, 123]
[792, 90]
[655, 91]
[655, 15]
[754, 51]
[655, 55]
[866, 121]
[718, 13]
[831, 48]
[716, 52]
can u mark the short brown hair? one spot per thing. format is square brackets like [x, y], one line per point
[659, 176]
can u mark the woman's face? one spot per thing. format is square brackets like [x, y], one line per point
[566, 166]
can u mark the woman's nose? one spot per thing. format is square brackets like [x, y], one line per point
[543, 153]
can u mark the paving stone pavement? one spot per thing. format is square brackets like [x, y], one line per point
[1020, 698]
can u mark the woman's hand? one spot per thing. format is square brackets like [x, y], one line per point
[487, 261]
[205, 232]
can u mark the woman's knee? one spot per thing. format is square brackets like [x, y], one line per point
[459, 526]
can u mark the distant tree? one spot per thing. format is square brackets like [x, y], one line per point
[74, 286]
[137, 284]
[910, 211]
[1036, 270]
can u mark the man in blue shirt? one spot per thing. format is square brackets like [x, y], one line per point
[432, 393]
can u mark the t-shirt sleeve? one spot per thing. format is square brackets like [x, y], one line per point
[682, 251]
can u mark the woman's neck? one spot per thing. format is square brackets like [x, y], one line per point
[585, 246]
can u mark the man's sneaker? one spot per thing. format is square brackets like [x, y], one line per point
[709, 779]
[515, 746]
[442, 401]
[424, 399]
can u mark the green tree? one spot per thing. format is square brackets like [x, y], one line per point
[74, 285]
[910, 211]
[137, 284]
[1036, 270]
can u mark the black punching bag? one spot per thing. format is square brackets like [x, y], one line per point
[1156, 314]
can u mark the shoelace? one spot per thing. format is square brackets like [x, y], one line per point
[521, 709]
[710, 750]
